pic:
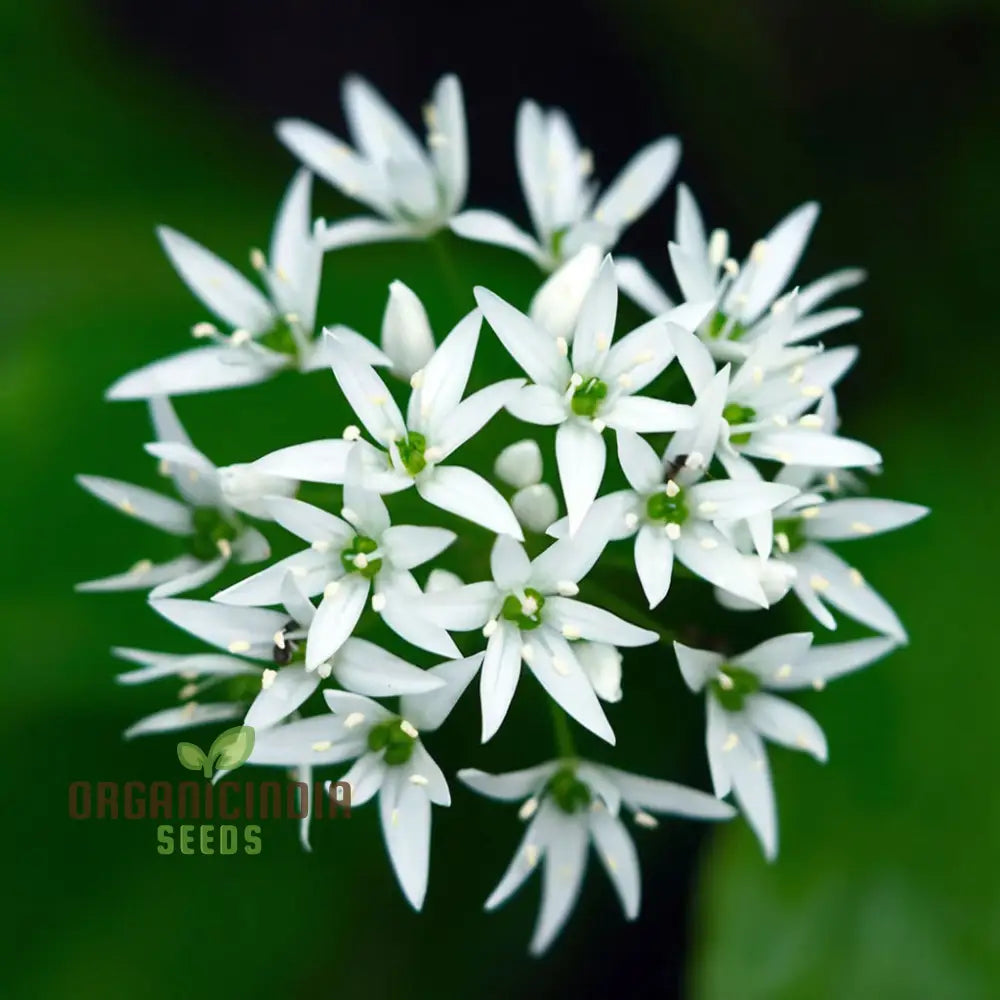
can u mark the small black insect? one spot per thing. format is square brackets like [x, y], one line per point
[673, 467]
[282, 654]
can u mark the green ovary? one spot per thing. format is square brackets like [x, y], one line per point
[718, 323]
[731, 692]
[567, 791]
[389, 736]
[281, 339]
[667, 509]
[210, 528]
[361, 546]
[520, 612]
[587, 399]
[735, 414]
[411, 452]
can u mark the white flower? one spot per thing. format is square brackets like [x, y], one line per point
[602, 664]
[591, 389]
[743, 294]
[741, 715]
[572, 805]
[280, 639]
[207, 515]
[527, 613]
[348, 558]
[407, 339]
[671, 510]
[821, 576]
[519, 464]
[555, 307]
[268, 334]
[415, 189]
[566, 213]
[437, 422]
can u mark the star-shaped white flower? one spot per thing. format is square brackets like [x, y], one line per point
[566, 212]
[270, 333]
[594, 387]
[741, 714]
[821, 576]
[438, 421]
[743, 295]
[414, 189]
[348, 558]
[528, 613]
[574, 804]
[207, 515]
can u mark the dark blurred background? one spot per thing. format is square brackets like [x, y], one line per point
[122, 115]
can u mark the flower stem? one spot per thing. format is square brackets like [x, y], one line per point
[456, 289]
[564, 738]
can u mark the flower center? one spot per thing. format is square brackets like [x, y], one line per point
[722, 326]
[568, 792]
[356, 558]
[280, 338]
[789, 533]
[732, 686]
[210, 528]
[667, 509]
[411, 452]
[735, 414]
[526, 612]
[390, 737]
[588, 396]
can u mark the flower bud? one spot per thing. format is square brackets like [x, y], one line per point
[603, 666]
[535, 507]
[440, 580]
[244, 489]
[406, 332]
[519, 464]
[556, 304]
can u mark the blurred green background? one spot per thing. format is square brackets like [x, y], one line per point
[119, 117]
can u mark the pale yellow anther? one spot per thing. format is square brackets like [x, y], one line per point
[757, 374]
[643, 358]
[490, 627]
[832, 481]
[585, 163]
[671, 488]
[529, 606]
[818, 684]
[598, 425]
[325, 669]
[570, 632]
[560, 666]
[718, 247]
[351, 432]
[531, 855]
[354, 720]
[320, 545]
[163, 467]
[224, 547]
[812, 391]
[758, 251]
[378, 400]
[725, 682]
[126, 506]
[202, 330]
[783, 671]
[709, 543]
[291, 318]
[436, 140]
[299, 571]
[188, 691]
[528, 808]
[394, 817]
[188, 675]
[418, 779]
[819, 583]
[267, 678]
[141, 568]
[379, 602]
[417, 379]
[856, 578]
[239, 337]
[731, 267]
[189, 709]
[631, 520]
[429, 111]
[625, 381]
[527, 653]
[567, 588]
[673, 531]
[611, 863]
[809, 512]
[576, 380]
[798, 373]
[811, 420]
[279, 638]
[562, 346]
[707, 507]
[433, 454]
[257, 259]
[603, 343]
[409, 728]
[784, 545]
[732, 742]
[780, 420]
[643, 818]
[349, 514]
[193, 475]
[239, 646]
[320, 745]
[361, 561]
[694, 461]
[861, 527]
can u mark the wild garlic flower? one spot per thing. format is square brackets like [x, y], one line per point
[415, 189]
[744, 295]
[587, 387]
[438, 421]
[566, 211]
[741, 714]
[571, 805]
[207, 515]
[528, 613]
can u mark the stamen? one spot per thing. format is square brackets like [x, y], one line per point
[560, 667]
[330, 590]
[813, 420]
[809, 512]
[696, 460]
[643, 818]
[707, 507]
[709, 543]
[354, 720]
[783, 671]
[188, 691]
[731, 267]
[671, 489]
[418, 779]
[812, 391]
[818, 684]
[718, 247]
[861, 527]
[267, 678]
[202, 330]
[567, 588]
[528, 808]
[631, 520]
[351, 432]
[257, 259]
[239, 338]
[780, 420]
[279, 638]
[531, 854]
[490, 627]
[224, 548]
[758, 251]
[409, 728]
[325, 669]
[527, 653]
[818, 582]
[322, 745]
[320, 545]
[141, 568]
[433, 454]
[562, 346]
[856, 578]
[379, 602]
[239, 646]
[672, 530]
[570, 631]
[417, 379]
[732, 741]
[782, 542]
[798, 373]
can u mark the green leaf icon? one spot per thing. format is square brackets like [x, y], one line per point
[190, 756]
[232, 748]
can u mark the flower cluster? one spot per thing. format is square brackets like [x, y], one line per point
[727, 468]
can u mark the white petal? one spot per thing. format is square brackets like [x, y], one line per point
[596, 324]
[194, 578]
[509, 564]
[311, 524]
[772, 655]
[335, 619]
[813, 326]
[698, 666]
[594, 623]
[345, 704]
[667, 797]
[408, 546]
[640, 463]
[839, 520]
[295, 743]
[782, 722]
[640, 183]
[311, 569]
[248, 490]
[296, 256]
[538, 404]
[751, 777]
[602, 663]
[300, 609]
[473, 413]
[404, 615]
[463, 608]
[450, 150]
[498, 678]
[220, 286]
[248, 631]
[535, 507]
[287, 691]
[532, 348]
[559, 672]
[365, 778]
[513, 786]
[639, 285]
[695, 358]
[427, 710]
[143, 576]
[364, 668]
[646, 415]
[694, 275]
[405, 813]
[565, 863]
[407, 338]
[733, 499]
[718, 745]
[155, 666]
[183, 716]
[525, 857]
[421, 763]
[640, 356]
[654, 562]
[376, 127]
[720, 564]
[703, 434]
[519, 464]
[446, 374]
[361, 230]
[689, 228]
[618, 855]
[162, 512]
[555, 307]
[366, 393]
[531, 147]
[313, 462]
[817, 292]
[824, 663]
[580, 457]
[465, 493]
[491, 227]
